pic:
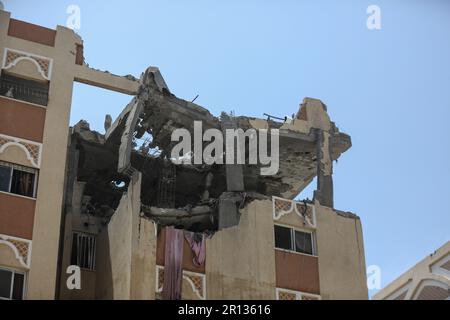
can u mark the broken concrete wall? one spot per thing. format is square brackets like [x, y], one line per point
[126, 251]
[312, 114]
[308, 144]
[143, 258]
[114, 253]
[240, 261]
[342, 268]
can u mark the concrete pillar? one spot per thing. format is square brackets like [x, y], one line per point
[49, 204]
[229, 214]
[324, 192]
[234, 173]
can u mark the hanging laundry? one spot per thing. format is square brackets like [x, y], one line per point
[197, 243]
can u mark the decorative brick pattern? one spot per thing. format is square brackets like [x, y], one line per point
[308, 297]
[306, 212]
[11, 56]
[43, 64]
[196, 280]
[21, 248]
[282, 207]
[33, 149]
[285, 294]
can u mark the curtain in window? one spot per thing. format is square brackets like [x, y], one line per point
[303, 242]
[26, 184]
[173, 260]
[22, 183]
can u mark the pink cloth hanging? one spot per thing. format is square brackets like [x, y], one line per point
[173, 260]
[197, 242]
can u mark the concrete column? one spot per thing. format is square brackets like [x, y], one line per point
[49, 204]
[4, 25]
[234, 173]
[229, 214]
[324, 192]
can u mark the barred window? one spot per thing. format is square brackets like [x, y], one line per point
[83, 250]
[23, 89]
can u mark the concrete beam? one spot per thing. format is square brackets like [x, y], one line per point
[106, 80]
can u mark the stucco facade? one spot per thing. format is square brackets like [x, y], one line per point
[35, 136]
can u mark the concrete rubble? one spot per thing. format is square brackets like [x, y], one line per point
[200, 198]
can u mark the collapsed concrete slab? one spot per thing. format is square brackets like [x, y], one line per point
[200, 197]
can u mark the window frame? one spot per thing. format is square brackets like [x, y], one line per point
[41, 88]
[290, 236]
[17, 167]
[4, 164]
[312, 233]
[78, 256]
[11, 290]
[313, 245]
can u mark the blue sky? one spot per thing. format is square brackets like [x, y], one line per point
[388, 89]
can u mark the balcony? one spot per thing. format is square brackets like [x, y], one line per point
[25, 90]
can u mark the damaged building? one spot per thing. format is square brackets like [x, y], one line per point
[137, 224]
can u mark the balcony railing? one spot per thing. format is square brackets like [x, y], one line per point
[22, 89]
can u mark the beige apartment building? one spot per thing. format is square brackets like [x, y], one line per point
[427, 280]
[139, 226]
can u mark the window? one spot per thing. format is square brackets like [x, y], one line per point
[23, 89]
[283, 237]
[83, 250]
[303, 242]
[11, 284]
[18, 179]
[294, 240]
